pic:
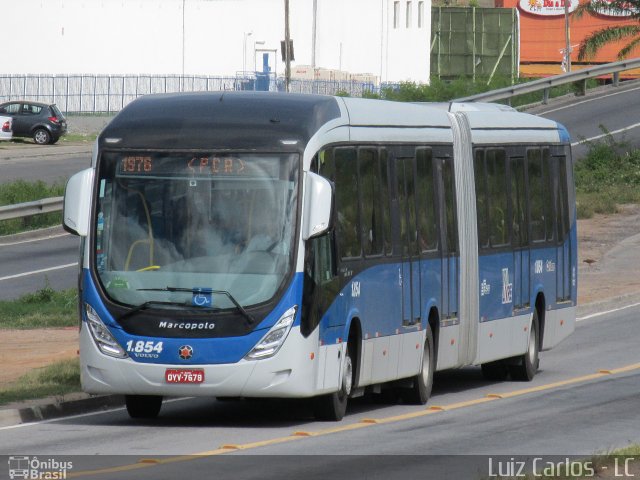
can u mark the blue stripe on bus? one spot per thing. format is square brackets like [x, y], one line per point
[563, 133]
[374, 295]
[205, 350]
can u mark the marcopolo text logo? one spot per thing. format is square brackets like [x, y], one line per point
[34, 468]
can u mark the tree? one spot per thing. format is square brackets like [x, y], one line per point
[629, 9]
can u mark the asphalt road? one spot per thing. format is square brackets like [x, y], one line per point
[572, 411]
[615, 109]
[605, 110]
[49, 163]
[31, 262]
[569, 414]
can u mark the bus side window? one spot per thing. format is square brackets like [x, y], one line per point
[321, 283]
[347, 214]
[497, 193]
[518, 203]
[536, 195]
[448, 180]
[385, 195]
[326, 166]
[426, 197]
[371, 224]
[323, 265]
[482, 200]
[563, 200]
[548, 193]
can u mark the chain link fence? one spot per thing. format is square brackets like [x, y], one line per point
[111, 93]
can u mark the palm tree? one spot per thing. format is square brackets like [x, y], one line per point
[624, 8]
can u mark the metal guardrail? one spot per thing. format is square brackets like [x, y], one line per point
[545, 84]
[55, 204]
[27, 209]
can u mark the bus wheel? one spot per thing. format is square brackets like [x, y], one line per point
[332, 407]
[143, 406]
[527, 365]
[496, 371]
[423, 382]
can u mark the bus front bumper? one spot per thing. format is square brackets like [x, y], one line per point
[292, 372]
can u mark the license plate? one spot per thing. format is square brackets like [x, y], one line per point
[184, 375]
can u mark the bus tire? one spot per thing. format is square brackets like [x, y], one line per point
[495, 371]
[333, 406]
[423, 382]
[143, 406]
[526, 366]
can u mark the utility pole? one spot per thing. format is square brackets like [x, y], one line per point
[313, 34]
[287, 47]
[567, 37]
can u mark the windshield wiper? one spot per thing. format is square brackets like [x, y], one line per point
[149, 304]
[240, 308]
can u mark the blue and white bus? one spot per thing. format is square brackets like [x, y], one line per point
[274, 245]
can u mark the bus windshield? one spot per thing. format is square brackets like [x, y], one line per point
[182, 228]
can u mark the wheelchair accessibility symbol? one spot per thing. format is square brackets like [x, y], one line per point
[202, 297]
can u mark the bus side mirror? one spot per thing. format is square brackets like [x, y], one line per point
[318, 195]
[77, 203]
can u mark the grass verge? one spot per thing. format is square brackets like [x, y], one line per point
[69, 138]
[444, 90]
[21, 191]
[46, 308]
[77, 137]
[57, 379]
[608, 176]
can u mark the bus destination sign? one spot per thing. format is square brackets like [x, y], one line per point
[194, 166]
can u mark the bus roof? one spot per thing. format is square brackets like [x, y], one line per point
[367, 112]
[220, 120]
[273, 121]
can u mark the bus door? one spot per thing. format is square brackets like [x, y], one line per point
[448, 237]
[563, 264]
[405, 176]
[520, 235]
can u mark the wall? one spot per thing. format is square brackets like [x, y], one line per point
[359, 36]
[543, 34]
[474, 42]
[207, 37]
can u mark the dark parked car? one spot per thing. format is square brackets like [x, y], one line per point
[44, 122]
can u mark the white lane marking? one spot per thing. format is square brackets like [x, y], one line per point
[51, 420]
[26, 274]
[82, 415]
[34, 240]
[587, 101]
[635, 125]
[102, 412]
[598, 314]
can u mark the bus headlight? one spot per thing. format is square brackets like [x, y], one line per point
[275, 337]
[101, 334]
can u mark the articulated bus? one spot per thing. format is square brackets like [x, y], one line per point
[302, 246]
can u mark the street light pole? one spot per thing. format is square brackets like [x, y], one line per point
[244, 53]
[313, 34]
[567, 37]
[287, 49]
[183, 38]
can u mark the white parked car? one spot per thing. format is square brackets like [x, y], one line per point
[5, 128]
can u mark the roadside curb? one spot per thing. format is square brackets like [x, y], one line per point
[35, 151]
[80, 403]
[39, 234]
[48, 409]
[602, 306]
